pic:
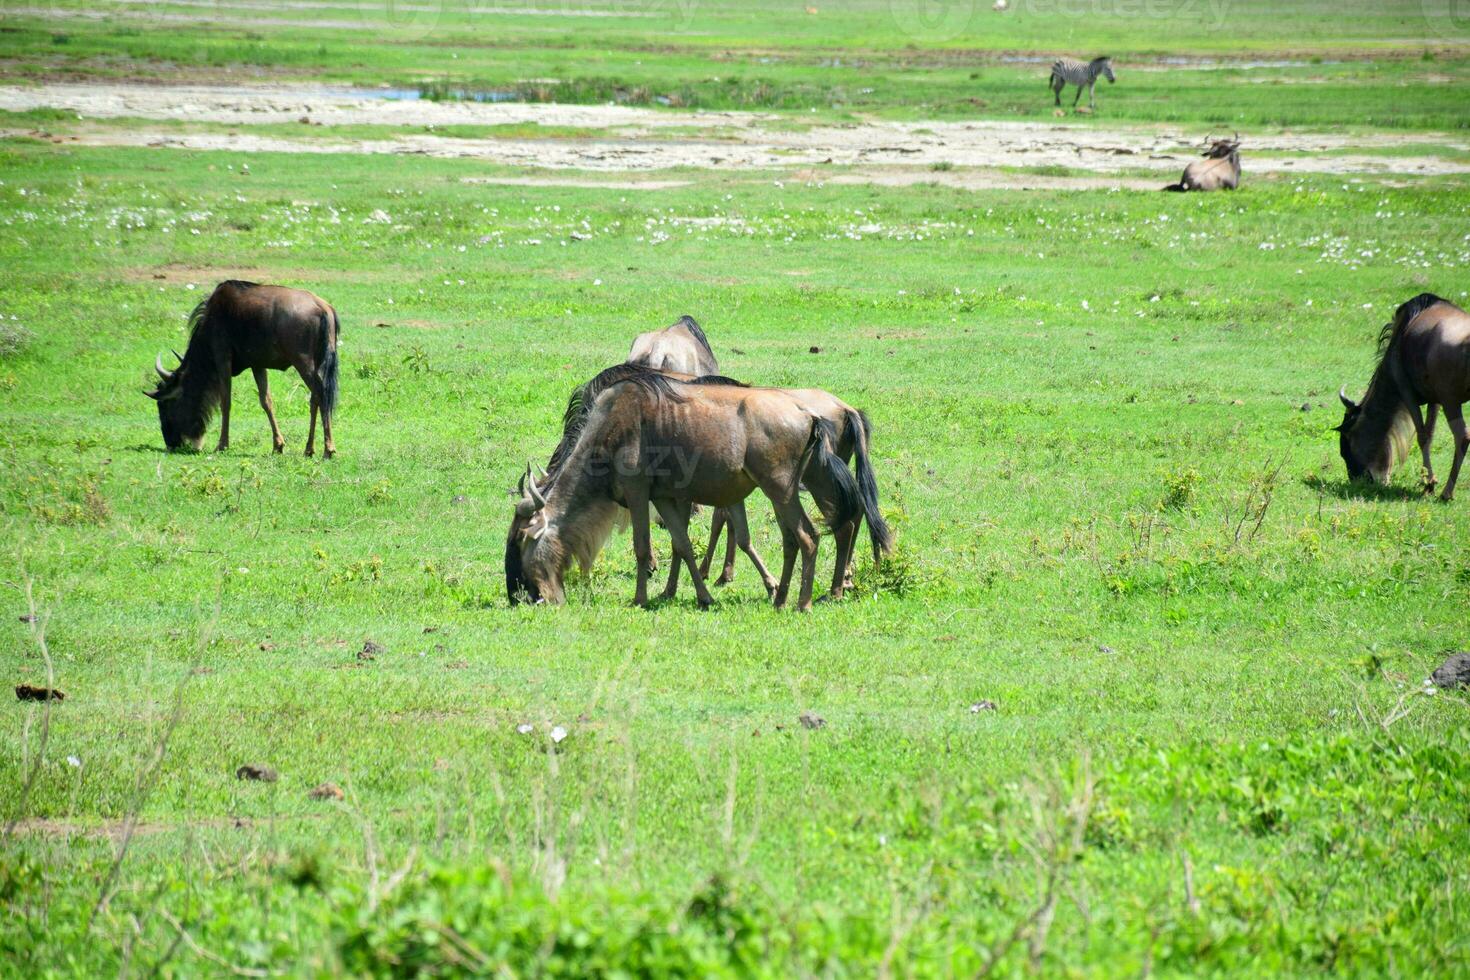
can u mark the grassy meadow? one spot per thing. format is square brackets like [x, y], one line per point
[1140, 691]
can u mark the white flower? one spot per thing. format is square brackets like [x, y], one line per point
[525, 728]
[74, 762]
[558, 733]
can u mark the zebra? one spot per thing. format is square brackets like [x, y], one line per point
[1070, 71]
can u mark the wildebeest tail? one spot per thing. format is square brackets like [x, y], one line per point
[1174, 187]
[818, 453]
[867, 484]
[327, 362]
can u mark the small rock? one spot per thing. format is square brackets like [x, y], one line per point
[1104, 648]
[558, 734]
[27, 692]
[525, 728]
[1306, 406]
[1454, 672]
[28, 618]
[305, 120]
[259, 774]
[457, 665]
[370, 651]
[1237, 402]
[815, 349]
[459, 498]
[982, 705]
[810, 720]
[267, 647]
[326, 791]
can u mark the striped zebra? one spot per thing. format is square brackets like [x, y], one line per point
[1070, 71]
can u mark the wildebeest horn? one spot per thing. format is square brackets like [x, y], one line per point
[533, 490]
[1346, 401]
[152, 394]
[176, 354]
[158, 366]
[541, 473]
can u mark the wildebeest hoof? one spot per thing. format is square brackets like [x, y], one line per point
[329, 454]
[725, 578]
[705, 605]
[280, 447]
[1446, 496]
[309, 452]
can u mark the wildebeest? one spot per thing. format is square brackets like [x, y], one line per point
[681, 347]
[1083, 74]
[852, 437]
[1220, 168]
[1424, 359]
[649, 438]
[247, 325]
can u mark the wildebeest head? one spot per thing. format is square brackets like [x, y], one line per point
[1351, 411]
[1219, 149]
[179, 417]
[1107, 67]
[534, 561]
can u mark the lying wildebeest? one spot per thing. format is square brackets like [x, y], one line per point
[1220, 168]
[650, 438]
[1424, 358]
[246, 325]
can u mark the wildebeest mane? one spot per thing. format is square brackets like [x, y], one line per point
[584, 396]
[1401, 318]
[716, 379]
[688, 323]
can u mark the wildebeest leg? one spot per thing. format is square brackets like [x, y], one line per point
[677, 524]
[842, 538]
[732, 543]
[740, 534]
[1425, 431]
[716, 525]
[330, 448]
[797, 534]
[1456, 420]
[642, 545]
[311, 433]
[671, 588]
[224, 416]
[263, 388]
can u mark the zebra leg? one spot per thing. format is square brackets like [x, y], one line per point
[1079, 95]
[1092, 94]
[1056, 90]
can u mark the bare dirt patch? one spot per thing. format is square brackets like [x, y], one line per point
[970, 154]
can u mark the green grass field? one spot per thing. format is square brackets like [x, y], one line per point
[1140, 691]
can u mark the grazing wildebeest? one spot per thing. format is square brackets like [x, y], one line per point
[649, 438]
[246, 325]
[1083, 74]
[853, 433]
[1220, 168]
[1424, 358]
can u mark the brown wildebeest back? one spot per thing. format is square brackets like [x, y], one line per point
[1219, 170]
[651, 439]
[247, 325]
[1424, 359]
[681, 347]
